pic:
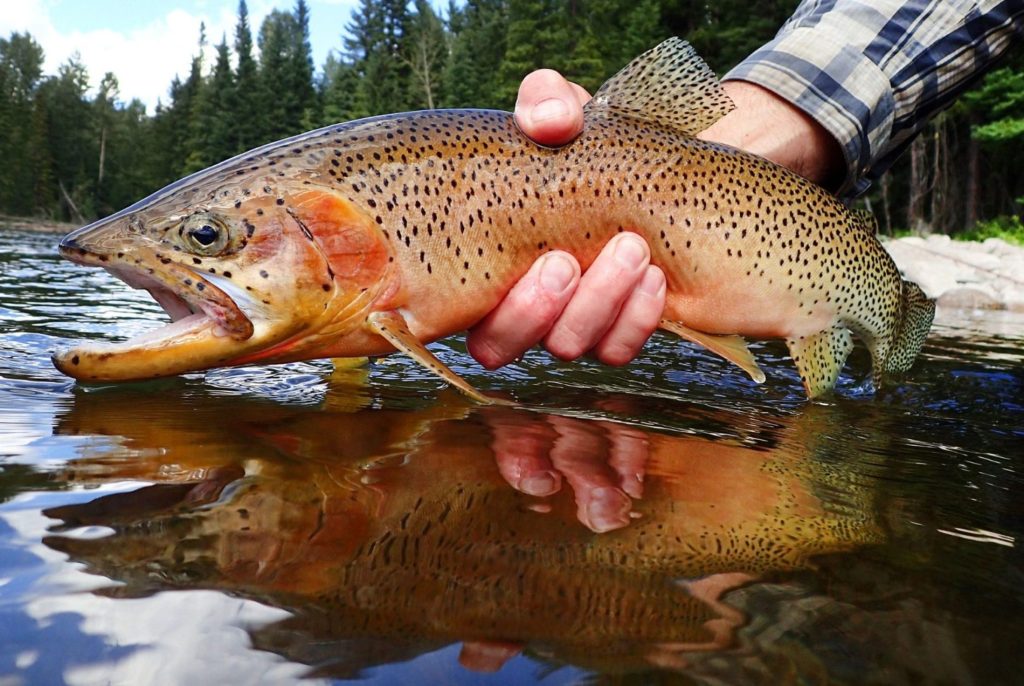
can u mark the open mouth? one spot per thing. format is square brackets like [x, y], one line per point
[199, 307]
[189, 299]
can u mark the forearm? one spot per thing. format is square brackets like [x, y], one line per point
[872, 74]
[771, 127]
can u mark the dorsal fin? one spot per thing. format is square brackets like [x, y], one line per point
[668, 85]
[864, 220]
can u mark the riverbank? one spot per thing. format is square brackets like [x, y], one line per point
[36, 224]
[963, 275]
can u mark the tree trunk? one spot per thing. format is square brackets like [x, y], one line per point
[940, 209]
[971, 190]
[71, 203]
[886, 182]
[103, 154]
[915, 205]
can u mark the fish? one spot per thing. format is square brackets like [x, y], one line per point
[387, 527]
[385, 234]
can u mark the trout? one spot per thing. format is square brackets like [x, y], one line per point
[386, 233]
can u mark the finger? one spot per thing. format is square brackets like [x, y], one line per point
[487, 656]
[637, 320]
[527, 313]
[521, 451]
[580, 453]
[599, 298]
[549, 109]
[628, 457]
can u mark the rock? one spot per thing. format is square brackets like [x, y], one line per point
[963, 274]
[970, 298]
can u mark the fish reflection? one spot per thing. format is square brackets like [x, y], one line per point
[391, 533]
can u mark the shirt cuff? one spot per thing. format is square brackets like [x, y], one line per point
[835, 85]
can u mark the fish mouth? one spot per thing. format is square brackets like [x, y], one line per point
[207, 325]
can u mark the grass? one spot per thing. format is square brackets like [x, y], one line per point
[1008, 228]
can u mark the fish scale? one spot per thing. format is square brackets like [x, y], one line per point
[390, 232]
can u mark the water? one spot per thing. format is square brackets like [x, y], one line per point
[296, 524]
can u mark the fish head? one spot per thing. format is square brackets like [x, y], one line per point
[247, 271]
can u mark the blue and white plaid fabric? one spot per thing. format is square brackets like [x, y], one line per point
[873, 72]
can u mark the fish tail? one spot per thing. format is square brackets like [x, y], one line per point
[916, 314]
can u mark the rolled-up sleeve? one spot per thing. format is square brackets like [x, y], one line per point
[874, 72]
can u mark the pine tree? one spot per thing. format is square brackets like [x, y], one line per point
[21, 60]
[221, 89]
[584, 64]
[104, 107]
[339, 91]
[188, 149]
[303, 99]
[478, 48]
[72, 142]
[286, 72]
[44, 197]
[528, 49]
[424, 50]
[373, 48]
[244, 104]
[641, 28]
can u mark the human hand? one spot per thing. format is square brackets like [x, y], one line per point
[612, 309]
[603, 463]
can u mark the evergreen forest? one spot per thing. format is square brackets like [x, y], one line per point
[75, 150]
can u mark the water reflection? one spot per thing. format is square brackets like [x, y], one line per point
[389, 533]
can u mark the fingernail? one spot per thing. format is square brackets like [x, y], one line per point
[630, 252]
[552, 108]
[653, 282]
[556, 273]
[609, 510]
[538, 484]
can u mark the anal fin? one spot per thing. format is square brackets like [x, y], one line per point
[731, 347]
[392, 326]
[819, 358]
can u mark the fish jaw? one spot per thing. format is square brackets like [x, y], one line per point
[208, 326]
[304, 271]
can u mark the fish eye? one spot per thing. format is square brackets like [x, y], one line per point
[205, 234]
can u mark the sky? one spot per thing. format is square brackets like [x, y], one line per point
[146, 43]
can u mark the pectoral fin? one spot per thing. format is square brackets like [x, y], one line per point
[820, 357]
[392, 327]
[731, 347]
[343, 363]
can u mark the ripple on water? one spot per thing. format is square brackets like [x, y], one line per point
[934, 460]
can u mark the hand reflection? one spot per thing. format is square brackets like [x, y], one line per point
[603, 463]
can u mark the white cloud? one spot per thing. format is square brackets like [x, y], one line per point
[144, 58]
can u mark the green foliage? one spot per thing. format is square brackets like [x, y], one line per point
[424, 50]
[72, 152]
[21, 60]
[477, 49]
[245, 110]
[1009, 228]
[999, 103]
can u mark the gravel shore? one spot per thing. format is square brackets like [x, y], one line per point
[987, 275]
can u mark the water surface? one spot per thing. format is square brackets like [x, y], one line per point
[667, 522]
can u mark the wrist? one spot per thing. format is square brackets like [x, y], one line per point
[766, 124]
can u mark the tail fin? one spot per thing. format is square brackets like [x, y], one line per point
[917, 315]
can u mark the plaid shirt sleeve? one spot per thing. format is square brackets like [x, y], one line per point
[873, 72]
